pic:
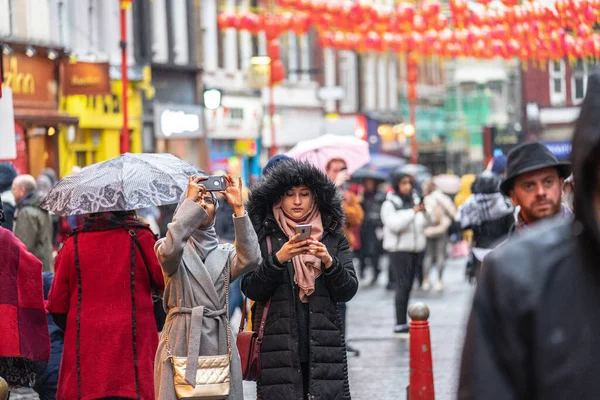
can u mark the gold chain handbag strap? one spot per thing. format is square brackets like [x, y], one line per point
[227, 324]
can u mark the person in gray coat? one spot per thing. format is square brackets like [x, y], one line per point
[32, 225]
[195, 268]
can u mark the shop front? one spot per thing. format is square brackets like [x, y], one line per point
[234, 130]
[32, 80]
[91, 95]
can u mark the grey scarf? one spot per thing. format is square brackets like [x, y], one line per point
[205, 239]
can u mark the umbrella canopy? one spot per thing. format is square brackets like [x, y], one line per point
[368, 173]
[319, 151]
[384, 163]
[124, 183]
[449, 184]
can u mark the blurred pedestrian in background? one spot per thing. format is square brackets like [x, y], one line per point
[568, 192]
[404, 239]
[371, 230]
[443, 212]
[7, 174]
[47, 383]
[25, 344]
[303, 353]
[32, 225]
[534, 181]
[337, 171]
[101, 297]
[532, 329]
[197, 271]
[489, 214]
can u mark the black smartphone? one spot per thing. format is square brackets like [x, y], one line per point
[304, 231]
[214, 183]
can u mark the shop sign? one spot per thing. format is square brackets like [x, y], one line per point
[237, 118]
[32, 81]
[562, 150]
[84, 78]
[178, 121]
[8, 149]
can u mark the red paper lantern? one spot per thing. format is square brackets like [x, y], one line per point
[250, 22]
[334, 7]
[419, 24]
[300, 24]
[325, 40]
[374, 42]
[441, 22]
[430, 9]
[226, 20]
[405, 13]
[584, 31]
[277, 72]
[458, 7]
[274, 49]
[510, 3]
[319, 6]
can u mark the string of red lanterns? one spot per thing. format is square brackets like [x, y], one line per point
[528, 32]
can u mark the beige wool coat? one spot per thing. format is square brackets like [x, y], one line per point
[194, 295]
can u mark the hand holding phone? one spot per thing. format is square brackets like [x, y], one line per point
[304, 231]
[293, 247]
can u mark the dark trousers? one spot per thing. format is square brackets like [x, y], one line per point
[374, 262]
[419, 268]
[404, 265]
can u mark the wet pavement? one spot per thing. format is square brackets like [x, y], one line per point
[381, 370]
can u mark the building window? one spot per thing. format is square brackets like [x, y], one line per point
[578, 81]
[558, 90]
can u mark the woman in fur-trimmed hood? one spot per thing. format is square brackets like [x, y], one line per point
[303, 353]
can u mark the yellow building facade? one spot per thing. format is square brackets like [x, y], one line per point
[97, 137]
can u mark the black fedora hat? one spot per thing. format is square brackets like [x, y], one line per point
[530, 157]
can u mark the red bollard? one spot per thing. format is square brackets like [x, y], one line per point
[421, 367]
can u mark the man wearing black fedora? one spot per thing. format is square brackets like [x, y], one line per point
[534, 181]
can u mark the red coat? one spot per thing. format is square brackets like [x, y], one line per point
[106, 345]
[24, 334]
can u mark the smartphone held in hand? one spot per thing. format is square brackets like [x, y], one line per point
[215, 183]
[304, 230]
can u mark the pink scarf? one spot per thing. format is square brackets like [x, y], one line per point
[307, 268]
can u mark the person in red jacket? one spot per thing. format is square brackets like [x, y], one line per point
[24, 342]
[101, 297]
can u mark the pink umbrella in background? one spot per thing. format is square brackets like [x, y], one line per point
[319, 151]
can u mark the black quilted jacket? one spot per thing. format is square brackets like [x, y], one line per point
[281, 372]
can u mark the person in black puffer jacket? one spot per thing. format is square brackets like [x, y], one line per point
[303, 354]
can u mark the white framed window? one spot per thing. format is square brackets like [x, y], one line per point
[558, 84]
[578, 81]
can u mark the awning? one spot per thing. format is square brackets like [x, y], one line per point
[44, 117]
[480, 75]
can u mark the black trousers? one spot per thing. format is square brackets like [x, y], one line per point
[404, 265]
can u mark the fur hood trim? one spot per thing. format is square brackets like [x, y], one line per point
[286, 175]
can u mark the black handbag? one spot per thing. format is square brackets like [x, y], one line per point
[157, 299]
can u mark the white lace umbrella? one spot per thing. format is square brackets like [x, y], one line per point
[320, 150]
[127, 182]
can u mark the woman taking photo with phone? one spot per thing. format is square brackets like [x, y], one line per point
[303, 351]
[197, 271]
[404, 238]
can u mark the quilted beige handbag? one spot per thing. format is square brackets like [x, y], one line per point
[213, 375]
